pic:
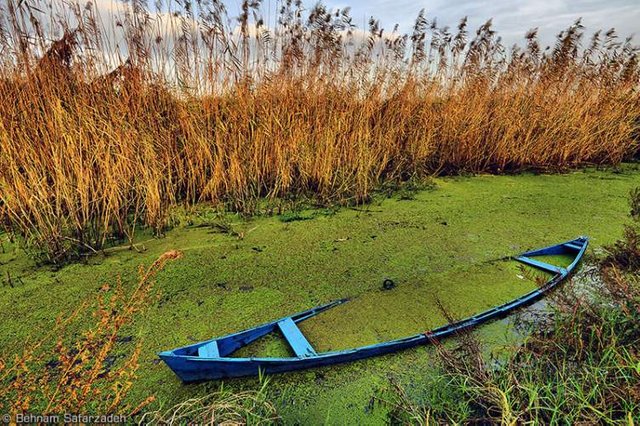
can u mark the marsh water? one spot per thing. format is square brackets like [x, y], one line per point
[442, 247]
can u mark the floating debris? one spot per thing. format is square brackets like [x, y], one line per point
[388, 284]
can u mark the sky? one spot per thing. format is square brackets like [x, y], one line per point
[511, 18]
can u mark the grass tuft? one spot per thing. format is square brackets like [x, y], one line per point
[219, 408]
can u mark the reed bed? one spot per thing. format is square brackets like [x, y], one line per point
[109, 120]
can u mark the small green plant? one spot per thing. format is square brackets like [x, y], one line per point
[294, 216]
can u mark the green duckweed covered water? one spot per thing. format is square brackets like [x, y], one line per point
[443, 244]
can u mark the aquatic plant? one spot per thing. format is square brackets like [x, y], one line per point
[122, 116]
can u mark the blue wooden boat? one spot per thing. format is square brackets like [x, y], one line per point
[211, 359]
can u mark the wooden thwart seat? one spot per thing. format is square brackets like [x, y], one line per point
[541, 265]
[296, 339]
[210, 350]
[573, 246]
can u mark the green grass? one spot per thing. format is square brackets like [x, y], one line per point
[442, 243]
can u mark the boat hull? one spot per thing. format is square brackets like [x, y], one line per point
[196, 370]
[210, 360]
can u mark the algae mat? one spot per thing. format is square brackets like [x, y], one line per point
[441, 244]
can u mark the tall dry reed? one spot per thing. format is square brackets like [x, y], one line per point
[117, 119]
